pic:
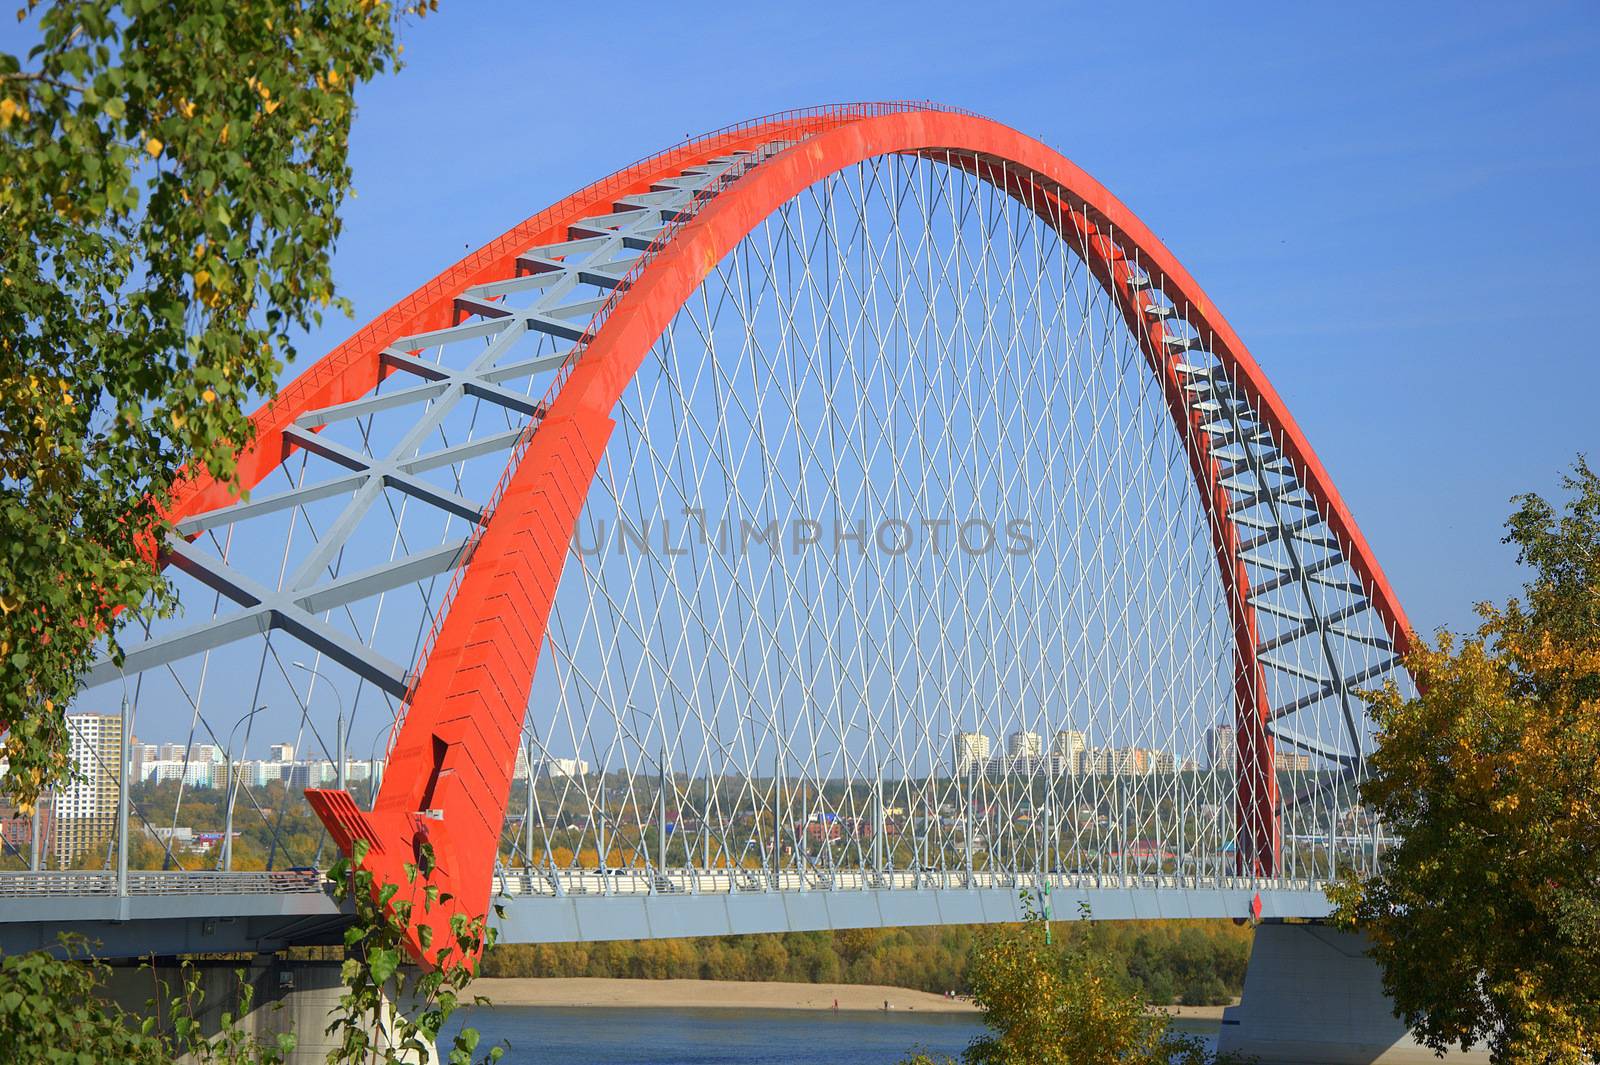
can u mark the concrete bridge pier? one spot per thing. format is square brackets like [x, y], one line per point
[288, 996]
[1311, 994]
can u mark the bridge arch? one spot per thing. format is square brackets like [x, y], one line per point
[1273, 518]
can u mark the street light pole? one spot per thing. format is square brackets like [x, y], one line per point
[36, 857]
[122, 804]
[233, 788]
[338, 773]
[661, 822]
[527, 813]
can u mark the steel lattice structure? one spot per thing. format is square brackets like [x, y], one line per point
[689, 477]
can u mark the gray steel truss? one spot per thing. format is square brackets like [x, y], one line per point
[1291, 549]
[601, 251]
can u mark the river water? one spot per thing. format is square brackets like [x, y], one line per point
[595, 1035]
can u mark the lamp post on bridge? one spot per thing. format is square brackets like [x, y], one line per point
[338, 773]
[124, 767]
[36, 855]
[233, 788]
[661, 812]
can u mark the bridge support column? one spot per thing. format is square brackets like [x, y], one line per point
[1312, 994]
[288, 996]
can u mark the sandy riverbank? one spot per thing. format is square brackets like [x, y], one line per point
[734, 994]
[723, 994]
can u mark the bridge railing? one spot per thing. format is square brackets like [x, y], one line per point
[76, 884]
[643, 881]
[639, 881]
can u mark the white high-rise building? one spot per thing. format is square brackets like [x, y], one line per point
[971, 753]
[1125, 761]
[143, 754]
[280, 752]
[86, 809]
[548, 768]
[1066, 751]
[1021, 744]
[1222, 748]
[1117, 761]
[1292, 761]
[193, 774]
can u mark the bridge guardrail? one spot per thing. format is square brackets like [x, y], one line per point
[94, 883]
[646, 881]
[638, 881]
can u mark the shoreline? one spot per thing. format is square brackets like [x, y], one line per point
[585, 991]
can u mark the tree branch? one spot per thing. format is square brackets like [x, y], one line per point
[41, 79]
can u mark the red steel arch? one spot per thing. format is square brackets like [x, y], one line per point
[456, 747]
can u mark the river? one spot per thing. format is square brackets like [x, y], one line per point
[593, 1035]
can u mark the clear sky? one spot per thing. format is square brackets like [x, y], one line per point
[1394, 204]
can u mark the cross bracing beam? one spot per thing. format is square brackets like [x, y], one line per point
[309, 493]
[438, 380]
[1298, 530]
[1294, 669]
[1294, 496]
[1315, 625]
[388, 472]
[386, 576]
[1312, 746]
[1281, 610]
[1277, 565]
[471, 382]
[1227, 432]
[1343, 686]
[1291, 535]
[601, 252]
[260, 506]
[265, 610]
[471, 449]
[1248, 474]
[1382, 643]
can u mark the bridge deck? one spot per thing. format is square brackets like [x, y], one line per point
[186, 912]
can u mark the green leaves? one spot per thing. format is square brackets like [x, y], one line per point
[1062, 1005]
[173, 174]
[383, 961]
[1483, 916]
[51, 1010]
[376, 972]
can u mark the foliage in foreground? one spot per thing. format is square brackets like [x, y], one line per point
[1197, 963]
[1064, 1005]
[51, 1011]
[1486, 918]
[54, 1010]
[170, 178]
[389, 1013]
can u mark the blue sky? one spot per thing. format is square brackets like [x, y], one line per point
[1393, 204]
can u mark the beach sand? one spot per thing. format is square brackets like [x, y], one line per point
[721, 994]
[734, 994]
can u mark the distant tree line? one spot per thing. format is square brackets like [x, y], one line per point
[1197, 963]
